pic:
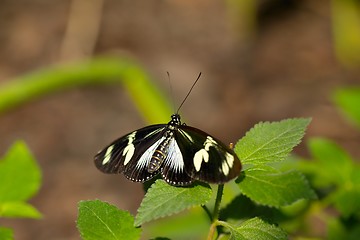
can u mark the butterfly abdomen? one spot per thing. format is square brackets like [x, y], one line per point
[160, 154]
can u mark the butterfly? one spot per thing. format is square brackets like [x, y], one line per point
[180, 153]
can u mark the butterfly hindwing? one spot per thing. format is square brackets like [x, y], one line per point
[206, 158]
[131, 153]
[173, 171]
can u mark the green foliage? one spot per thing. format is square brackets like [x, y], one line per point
[190, 224]
[348, 101]
[329, 160]
[336, 177]
[335, 174]
[18, 209]
[345, 16]
[164, 200]
[260, 181]
[100, 220]
[337, 229]
[255, 228]
[270, 142]
[6, 234]
[268, 186]
[20, 179]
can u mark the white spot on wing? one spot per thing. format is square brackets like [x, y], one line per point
[108, 154]
[225, 168]
[227, 164]
[230, 159]
[130, 148]
[129, 152]
[209, 142]
[199, 156]
[202, 154]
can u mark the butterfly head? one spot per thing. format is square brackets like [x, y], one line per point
[175, 120]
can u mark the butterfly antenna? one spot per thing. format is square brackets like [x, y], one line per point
[187, 95]
[171, 90]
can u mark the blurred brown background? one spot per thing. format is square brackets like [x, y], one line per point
[261, 61]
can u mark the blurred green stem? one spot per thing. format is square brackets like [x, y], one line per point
[148, 99]
[242, 16]
[346, 31]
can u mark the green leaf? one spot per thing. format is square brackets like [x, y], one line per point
[332, 165]
[6, 234]
[192, 224]
[20, 179]
[19, 174]
[18, 209]
[100, 220]
[347, 201]
[271, 142]
[270, 187]
[348, 100]
[338, 229]
[243, 208]
[163, 200]
[256, 228]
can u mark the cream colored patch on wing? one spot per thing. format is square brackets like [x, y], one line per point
[130, 148]
[203, 154]
[107, 155]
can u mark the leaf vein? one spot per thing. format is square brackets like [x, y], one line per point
[272, 140]
[98, 217]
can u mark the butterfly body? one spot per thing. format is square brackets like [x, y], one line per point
[180, 153]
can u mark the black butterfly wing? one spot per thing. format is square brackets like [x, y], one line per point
[173, 171]
[131, 153]
[206, 158]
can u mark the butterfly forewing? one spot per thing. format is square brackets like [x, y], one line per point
[131, 153]
[206, 158]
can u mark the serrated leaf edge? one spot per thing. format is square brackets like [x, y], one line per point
[272, 226]
[138, 224]
[237, 229]
[303, 179]
[261, 124]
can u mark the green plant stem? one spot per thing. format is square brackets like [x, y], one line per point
[212, 231]
[215, 224]
[217, 202]
[206, 209]
[99, 71]
[214, 217]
